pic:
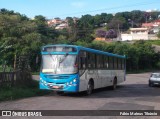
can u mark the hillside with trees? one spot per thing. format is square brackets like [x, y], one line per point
[20, 35]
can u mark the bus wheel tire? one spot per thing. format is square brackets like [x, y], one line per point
[89, 88]
[114, 86]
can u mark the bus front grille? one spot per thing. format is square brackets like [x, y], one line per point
[57, 77]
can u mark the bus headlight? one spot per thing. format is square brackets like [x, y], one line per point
[74, 80]
[71, 83]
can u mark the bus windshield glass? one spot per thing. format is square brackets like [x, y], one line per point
[59, 64]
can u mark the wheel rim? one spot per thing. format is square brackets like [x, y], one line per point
[89, 89]
[115, 84]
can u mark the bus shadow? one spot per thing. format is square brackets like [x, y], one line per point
[125, 90]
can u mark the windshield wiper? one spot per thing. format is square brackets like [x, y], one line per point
[59, 62]
[54, 61]
[63, 58]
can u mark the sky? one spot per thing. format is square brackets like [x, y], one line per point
[75, 8]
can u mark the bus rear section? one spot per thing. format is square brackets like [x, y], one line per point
[59, 69]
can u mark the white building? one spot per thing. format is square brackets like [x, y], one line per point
[136, 34]
[61, 26]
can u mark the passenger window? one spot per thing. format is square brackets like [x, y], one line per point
[91, 60]
[82, 60]
[106, 62]
[110, 62]
[122, 63]
[99, 61]
[119, 63]
[115, 63]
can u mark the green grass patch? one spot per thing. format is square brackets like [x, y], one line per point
[154, 42]
[12, 93]
[35, 73]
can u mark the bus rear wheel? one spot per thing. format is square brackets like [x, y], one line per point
[114, 86]
[90, 87]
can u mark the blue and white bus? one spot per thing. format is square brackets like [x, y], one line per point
[70, 68]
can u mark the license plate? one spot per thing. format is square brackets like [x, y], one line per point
[56, 87]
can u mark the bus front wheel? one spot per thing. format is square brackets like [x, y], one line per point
[90, 87]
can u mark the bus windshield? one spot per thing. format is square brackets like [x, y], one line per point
[59, 64]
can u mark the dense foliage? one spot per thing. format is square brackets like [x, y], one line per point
[20, 35]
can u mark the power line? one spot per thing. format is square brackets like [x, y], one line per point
[104, 9]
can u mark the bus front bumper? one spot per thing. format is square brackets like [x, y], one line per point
[59, 87]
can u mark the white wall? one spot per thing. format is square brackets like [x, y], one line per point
[126, 37]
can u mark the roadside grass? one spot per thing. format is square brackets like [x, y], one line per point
[154, 42]
[35, 73]
[17, 92]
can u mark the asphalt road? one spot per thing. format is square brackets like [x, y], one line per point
[133, 94]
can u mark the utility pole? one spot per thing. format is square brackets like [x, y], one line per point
[119, 34]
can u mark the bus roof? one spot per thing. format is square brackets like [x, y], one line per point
[88, 49]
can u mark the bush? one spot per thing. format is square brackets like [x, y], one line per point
[11, 93]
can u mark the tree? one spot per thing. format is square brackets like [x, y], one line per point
[111, 34]
[118, 23]
[145, 53]
[106, 18]
[72, 29]
[102, 18]
[154, 15]
[21, 36]
[101, 33]
[97, 20]
[138, 17]
[85, 28]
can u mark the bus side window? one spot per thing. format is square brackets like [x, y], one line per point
[88, 60]
[102, 61]
[99, 61]
[110, 62]
[119, 63]
[82, 60]
[91, 60]
[115, 63]
[122, 64]
[106, 62]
